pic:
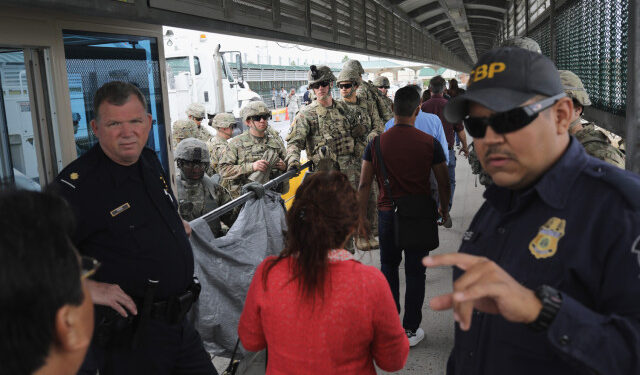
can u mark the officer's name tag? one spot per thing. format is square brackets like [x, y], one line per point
[119, 210]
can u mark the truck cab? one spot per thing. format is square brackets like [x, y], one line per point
[197, 71]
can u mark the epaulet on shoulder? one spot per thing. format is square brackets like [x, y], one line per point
[309, 108]
[625, 182]
[78, 171]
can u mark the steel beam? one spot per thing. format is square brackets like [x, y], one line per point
[632, 140]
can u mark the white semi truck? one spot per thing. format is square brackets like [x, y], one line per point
[197, 71]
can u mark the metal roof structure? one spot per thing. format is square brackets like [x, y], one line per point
[469, 28]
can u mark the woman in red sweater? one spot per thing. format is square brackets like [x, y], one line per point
[316, 309]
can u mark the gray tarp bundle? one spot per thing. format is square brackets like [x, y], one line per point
[225, 267]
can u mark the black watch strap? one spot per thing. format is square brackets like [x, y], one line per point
[551, 302]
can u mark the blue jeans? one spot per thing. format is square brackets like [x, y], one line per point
[390, 258]
[452, 174]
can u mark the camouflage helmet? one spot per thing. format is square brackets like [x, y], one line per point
[353, 65]
[574, 88]
[348, 75]
[182, 128]
[380, 81]
[192, 149]
[223, 120]
[196, 110]
[253, 109]
[320, 74]
[522, 42]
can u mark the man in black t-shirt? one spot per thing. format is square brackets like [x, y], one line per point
[409, 156]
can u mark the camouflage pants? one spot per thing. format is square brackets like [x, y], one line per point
[351, 167]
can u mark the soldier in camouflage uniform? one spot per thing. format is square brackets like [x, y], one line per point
[476, 167]
[594, 141]
[367, 112]
[326, 128]
[255, 155]
[198, 193]
[369, 92]
[382, 83]
[191, 128]
[223, 123]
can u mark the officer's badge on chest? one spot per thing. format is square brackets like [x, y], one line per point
[545, 243]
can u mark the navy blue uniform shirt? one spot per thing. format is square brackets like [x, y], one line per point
[127, 218]
[577, 229]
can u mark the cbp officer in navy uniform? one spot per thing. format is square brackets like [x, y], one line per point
[547, 279]
[127, 219]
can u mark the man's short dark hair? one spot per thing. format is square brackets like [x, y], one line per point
[116, 93]
[406, 100]
[437, 85]
[39, 273]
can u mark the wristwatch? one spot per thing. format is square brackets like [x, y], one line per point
[551, 302]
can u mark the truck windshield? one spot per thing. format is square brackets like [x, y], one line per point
[177, 65]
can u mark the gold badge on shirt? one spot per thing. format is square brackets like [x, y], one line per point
[545, 243]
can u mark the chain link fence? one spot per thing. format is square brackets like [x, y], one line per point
[591, 41]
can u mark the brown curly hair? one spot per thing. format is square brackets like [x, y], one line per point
[324, 214]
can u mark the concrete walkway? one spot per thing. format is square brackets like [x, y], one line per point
[430, 355]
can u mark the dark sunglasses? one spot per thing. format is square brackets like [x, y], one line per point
[88, 266]
[509, 121]
[260, 117]
[317, 85]
[194, 164]
[383, 87]
[345, 85]
[198, 118]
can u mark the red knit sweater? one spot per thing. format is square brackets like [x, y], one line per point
[356, 322]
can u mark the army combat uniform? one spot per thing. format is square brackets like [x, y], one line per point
[183, 129]
[217, 147]
[328, 133]
[198, 197]
[597, 144]
[369, 92]
[236, 165]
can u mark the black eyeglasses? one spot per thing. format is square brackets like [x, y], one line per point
[509, 121]
[345, 85]
[317, 85]
[88, 266]
[260, 117]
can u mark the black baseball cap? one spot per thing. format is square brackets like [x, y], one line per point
[503, 79]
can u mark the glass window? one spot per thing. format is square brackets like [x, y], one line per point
[177, 65]
[94, 59]
[18, 157]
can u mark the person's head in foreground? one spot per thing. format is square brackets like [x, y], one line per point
[46, 317]
[323, 217]
[516, 110]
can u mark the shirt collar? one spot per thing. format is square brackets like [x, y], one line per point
[120, 173]
[437, 95]
[338, 255]
[553, 187]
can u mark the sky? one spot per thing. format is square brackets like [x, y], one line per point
[278, 53]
